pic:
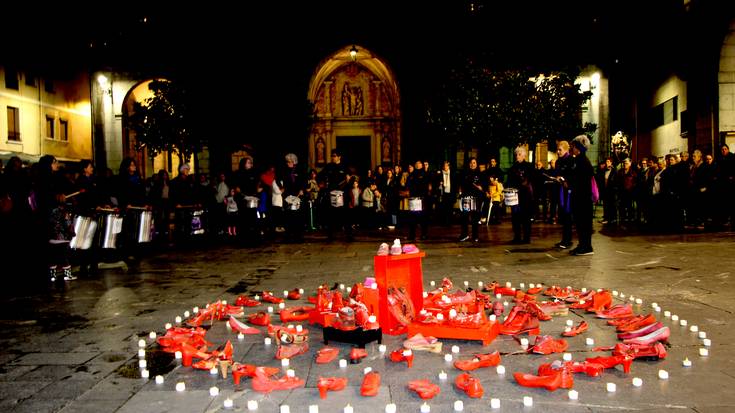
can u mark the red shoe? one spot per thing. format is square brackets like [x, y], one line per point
[424, 388]
[402, 355]
[653, 352]
[469, 385]
[291, 350]
[534, 290]
[536, 310]
[246, 302]
[260, 318]
[419, 342]
[611, 362]
[553, 308]
[662, 334]
[523, 323]
[248, 370]
[357, 354]
[268, 297]
[624, 320]
[294, 294]
[480, 360]
[616, 311]
[188, 353]
[641, 331]
[600, 302]
[337, 302]
[325, 384]
[547, 345]
[199, 319]
[590, 369]
[241, 327]
[290, 314]
[262, 383]
[561, 378]
[326, 355]
[580, 328]
[647, 320]
[231, 310]
[370, 384]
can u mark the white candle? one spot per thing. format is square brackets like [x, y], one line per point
[290, 373]
[505, 303]
[367, 370]
[638, 301]
[224, 302]
[141, 353]
[522, 285]
[425, 294]
[573, 395]
[141, 343]
[285, 293]
[637, 382]
[144, 373]
[285, 362]
[195, 310]
[458, 406]
[615, 293]
[703, 352]
[390, 408]
[300, 328]
[252, 405]
[686, 362]
[343, 363]
[452, 313]
[667, 313]
[531, 285]
[589, 341]
[683, 323]
[313, 408]
[213, 391]
[654, 305]
[495, 403]
[270, 309]
[447, 357]
[500, 369]
[281, 306]
[187, 314]
[301, 290]
[466, 283]
[168, 326]
[267, 341]
[524, 342]
[567, 329]
[178, 355]
[455, 349]
[213, 371]
[425, 408]
[567, 357]
[508, 284]
[663, 374]
[257, 297]
[570, 323]
[702, 334]
[341, 286]
[433, 283]
[240, 336]
[177, 319]
[180, 386]
[152, 335]
[707, 342]
[442, 375]
[657, 309]
[527, 401]
[228, 403]
[611, 387]
[631, 298]
[347, 409]
[581, 301]
[693, 329]
[493, 317]
[142, 364]
[286, 409]
[622, 295]
[372, 319]
[440, 316]
[382, 348]
[584, 289]
[674, 317]
[480, 283]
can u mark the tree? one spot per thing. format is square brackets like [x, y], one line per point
[478, 106]
[165, 122]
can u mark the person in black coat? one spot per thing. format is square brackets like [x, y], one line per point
[521, 177]
[471, 187]
[419, 186]
[580, 182]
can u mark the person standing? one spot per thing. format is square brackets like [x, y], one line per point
[447, 184]
[418, 186]
[293, 191]
[520, 177]
[580, 182]
[471, 187]
[335, 177]
[564, 165]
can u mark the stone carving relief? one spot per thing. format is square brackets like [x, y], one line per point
[352, 100]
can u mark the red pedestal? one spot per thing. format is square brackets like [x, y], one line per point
[398, 271]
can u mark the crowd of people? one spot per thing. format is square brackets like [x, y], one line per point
[281, 201]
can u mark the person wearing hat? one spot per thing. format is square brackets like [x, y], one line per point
[580, 183]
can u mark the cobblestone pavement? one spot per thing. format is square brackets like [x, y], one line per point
[75, 348]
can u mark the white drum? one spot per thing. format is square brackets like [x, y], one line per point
[84, 229]
[415, 204]
[510, 195]
[145, 227]
[293, 203]
[337, 198]
[468, 203]
[251, 202]
[197, 226]
[112, 225]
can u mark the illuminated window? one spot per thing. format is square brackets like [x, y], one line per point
[63, 130]
[13, 124]
[50, 123]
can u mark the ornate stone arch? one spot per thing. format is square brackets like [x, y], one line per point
[355, 98]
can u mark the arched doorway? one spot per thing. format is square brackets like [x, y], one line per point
[356, 109]
[727, 88]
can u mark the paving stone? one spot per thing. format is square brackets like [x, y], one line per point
[54, 358]
[167, 401]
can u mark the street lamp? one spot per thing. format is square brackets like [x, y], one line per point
[353, 53]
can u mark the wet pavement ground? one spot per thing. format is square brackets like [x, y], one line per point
[74, 348]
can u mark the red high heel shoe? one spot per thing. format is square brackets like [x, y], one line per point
[616, 311]
[480, 360]
[590, 369]
[246, 302]
[290, 314]
[188, 353]
[612, 361]
[325, 384]
[561, 378]
[357, 354]
[248, 370]
[424, 388]
[268, 297]
[662, 334]
[579, 329]
[262, 383]
[641, 331]
[548, 345]
[400, 355]
[624, 320]
[221, 357]
[241, 327]
[655, 351]
[294, 294]
[370, 384]
[260, 318]
[469, 385]
[326, 355]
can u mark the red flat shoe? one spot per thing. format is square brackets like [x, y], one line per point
[290, 314]
[616, 311]
[357, 354]
[246, 302]
[325, 384]
[370, 384]
[662, 334]
[291, 350]
[480, 360]
[268, 297]
[647, 320]
[469, 385]
[260, 318]
[262, 383]
[294, 294]
[548, 345]
[326, 355]
[241, 327]
[424, 388]
[580, 328]
[402, 355]
[641, 331]
[612, 361]
[561, 378]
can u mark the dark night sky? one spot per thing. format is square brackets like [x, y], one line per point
[257, 59]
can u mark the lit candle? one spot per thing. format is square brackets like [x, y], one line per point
[663, 374]
[180, 386]
[667, 313]
[390, 408]
[252, 405]
[382, 348]
[152, 335]
[631, 298]
[270, 309]
[159, 379]
[213, 371]
[522, 285]
[285, 293]
[347, 409]
[267, 341]
[500, 369]
[195, 310]
[707, 342]
[168, 326]
[425, 294]
[313, 408]
[498, 296]
[425, 408]
[440, 317]
[141, 343]
[372, 319]
[224, 302]
[286, 409]
[505, 303]
[301, 290]
[686, 362]
[654, 305]
[573, 395]
[187, 314]
[638, 301]
[683, 323]
[177, 355]
[611, 387]
[142, 364]
[466, 283]
[240, 336]
[581, 301]
[703, 352]
[693, 329]
[674, 317]
[341, 286]
[531, 285]
[480, 283]
[433, 283]
[527, 401]
[285, 362]
[141, 353]
[257, 297]
[442, 375]
[452, 313]
[508, 284]
[622, 295]
[290, 373]
[458, 406]
[177, 319]
[567, 357]
[343, 363]
[228, 403]
[144, 373]
[657, 309]
[637, 382]
[455, 349]
[493, 317]
[447, 357]
[567, 329]
[702, 334]
[524, 342]
[281, 306]
[570, 323]
[584, 289]
[367, 370]
[615, 293]
[589, 341]
[213, 391]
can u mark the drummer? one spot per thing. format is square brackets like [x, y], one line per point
[88, 200]
[130, 193]
[293, 186]
[520, 177]
[418, 187]
[336, 178]
[471, 186]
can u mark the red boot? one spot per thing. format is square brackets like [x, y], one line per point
[402, 355]
[469, 385]
[357, 354]
[370, 384]
[424, 388]
[480, 360]
[325, 384]
[326, 355]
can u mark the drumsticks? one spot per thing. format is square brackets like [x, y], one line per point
[81, 191]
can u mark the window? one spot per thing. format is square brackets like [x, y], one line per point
[64, 130]
[11, 78]
[50, 123]
[48, 86]
[13, 124]
[663, 113]
[30, 79]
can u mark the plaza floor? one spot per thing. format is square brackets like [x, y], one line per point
[75, 348]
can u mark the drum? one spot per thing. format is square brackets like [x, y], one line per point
[197, 225]
[468, 203]
[293, 203]
[415, 204]
[111, 226]
[336, 198]
[511, 196]
[144, 227]
[84, 230]
[251, 202]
